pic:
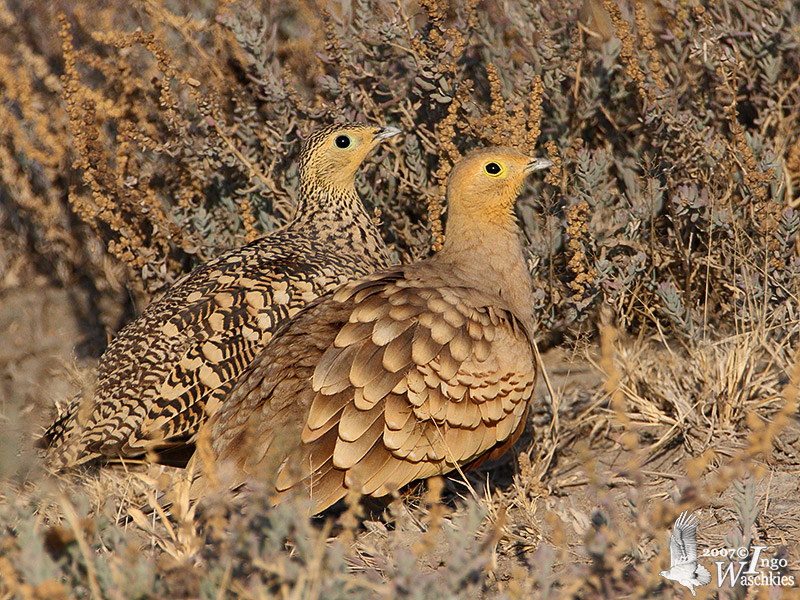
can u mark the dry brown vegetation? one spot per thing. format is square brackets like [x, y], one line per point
[141, 138]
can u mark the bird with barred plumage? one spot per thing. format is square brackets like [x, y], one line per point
[413, 371]
[182, 355]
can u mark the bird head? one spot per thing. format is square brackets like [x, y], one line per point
[332, 155]
[484, 184]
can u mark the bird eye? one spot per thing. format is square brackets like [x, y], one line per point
[342, 141]
[492, 168]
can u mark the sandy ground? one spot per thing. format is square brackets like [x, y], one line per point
[47, 335]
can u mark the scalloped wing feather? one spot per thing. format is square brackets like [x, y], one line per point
[440, 381]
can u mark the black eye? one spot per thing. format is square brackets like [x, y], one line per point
[492, 168]
[342, 141]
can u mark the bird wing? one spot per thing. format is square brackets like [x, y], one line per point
[186, 350]
[683, 543]
[225, 327]
[404, 381]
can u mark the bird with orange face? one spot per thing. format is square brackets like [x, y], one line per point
[410, 372]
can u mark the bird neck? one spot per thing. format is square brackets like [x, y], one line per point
[491, 258]
[325, 212]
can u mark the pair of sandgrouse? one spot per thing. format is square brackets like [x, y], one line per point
[389, 374]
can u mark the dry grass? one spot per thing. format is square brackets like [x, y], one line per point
[145, 137]
[581, 509]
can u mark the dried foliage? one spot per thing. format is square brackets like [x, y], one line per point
[680, 158]
[141, 138]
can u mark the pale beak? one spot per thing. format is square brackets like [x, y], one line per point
[538, 164]
[384, 133]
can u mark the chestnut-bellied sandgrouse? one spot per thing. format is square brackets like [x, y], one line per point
[184, 352]
[410, 372]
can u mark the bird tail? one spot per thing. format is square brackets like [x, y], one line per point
[61, 428]
[701, 575]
